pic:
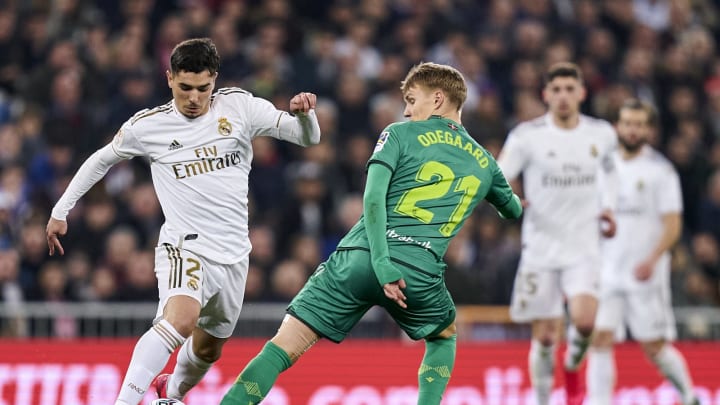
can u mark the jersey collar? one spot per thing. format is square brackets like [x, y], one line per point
[440, 117]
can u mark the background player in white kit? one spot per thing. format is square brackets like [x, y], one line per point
[569, 192]
[635, 282]
[199, 147]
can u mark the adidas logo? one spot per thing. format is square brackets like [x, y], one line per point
[174, 145]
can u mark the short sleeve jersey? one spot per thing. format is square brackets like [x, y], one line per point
[649, 189]
[200, 168]
[439, 175]
[560, 169]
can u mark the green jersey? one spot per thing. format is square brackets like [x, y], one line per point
[440, 174]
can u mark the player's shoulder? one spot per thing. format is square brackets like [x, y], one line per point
[598, 125]
[401, 126]
[530, 126]
[654, 157]
[231, 92]
[147, 116]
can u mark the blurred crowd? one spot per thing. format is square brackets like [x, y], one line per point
[72, 71]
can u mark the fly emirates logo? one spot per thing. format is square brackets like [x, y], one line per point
[207, 160]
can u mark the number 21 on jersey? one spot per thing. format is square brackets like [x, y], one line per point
[441, 178]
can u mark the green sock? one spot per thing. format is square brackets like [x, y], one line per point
[258, 377]
[435, 369]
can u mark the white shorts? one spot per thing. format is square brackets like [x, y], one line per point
[541, 293]
[647, 313]
[219, 288]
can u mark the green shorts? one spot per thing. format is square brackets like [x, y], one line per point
[344, 287]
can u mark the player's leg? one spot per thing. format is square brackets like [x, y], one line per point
[178, 313]
[194, 359]
[580, 284]
[255, 381]
[437, 365]
[671, 363]
[226, 285]
[541, 358]
[582, 310]
[601, 373]
[154, 348]
[537, 298]
[329, 305]
[430, 315]
[652, 323]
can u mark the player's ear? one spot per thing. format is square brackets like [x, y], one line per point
[168, 74]
[438, 98]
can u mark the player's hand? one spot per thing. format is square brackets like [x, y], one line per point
[644, 270]
[302, 103]
[394, 292]
[54, 229]
[525, 203]
[608, 226]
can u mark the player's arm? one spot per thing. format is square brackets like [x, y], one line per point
[608, 186]
[668, 197]
[512, 161]
[91, 171]
[513, 157]
[672, 227]
[502, 197]
[375, 213]
[300, 126]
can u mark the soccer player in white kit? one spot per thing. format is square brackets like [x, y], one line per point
[569, 192]
[199, 148]
[635, 281]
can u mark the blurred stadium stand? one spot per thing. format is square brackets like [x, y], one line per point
[72, 71]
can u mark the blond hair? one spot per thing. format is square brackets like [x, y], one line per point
[437, 76]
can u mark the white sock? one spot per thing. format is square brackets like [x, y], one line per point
[672, 365]
[542, 370]
[150, 356]
[577, 345]
[189, 370]
[601, 376]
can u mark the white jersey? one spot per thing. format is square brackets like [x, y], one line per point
[199, 167]
[649, 189]
[568, 177]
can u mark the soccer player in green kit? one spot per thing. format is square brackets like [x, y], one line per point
[425, 177]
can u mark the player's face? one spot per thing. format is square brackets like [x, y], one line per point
[563, 96]
[192, 91]
[420, 103]
[633, 129]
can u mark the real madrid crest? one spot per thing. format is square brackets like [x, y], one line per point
[640, 185]
[224, 127]
[593, 151]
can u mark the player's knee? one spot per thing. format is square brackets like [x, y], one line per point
[547, 340]
[652, 349]
[585, 327]
[209, 353]
[448, 332]
[602, 339]
[184, 326]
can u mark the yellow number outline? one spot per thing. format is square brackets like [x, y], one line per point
[439, 178]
